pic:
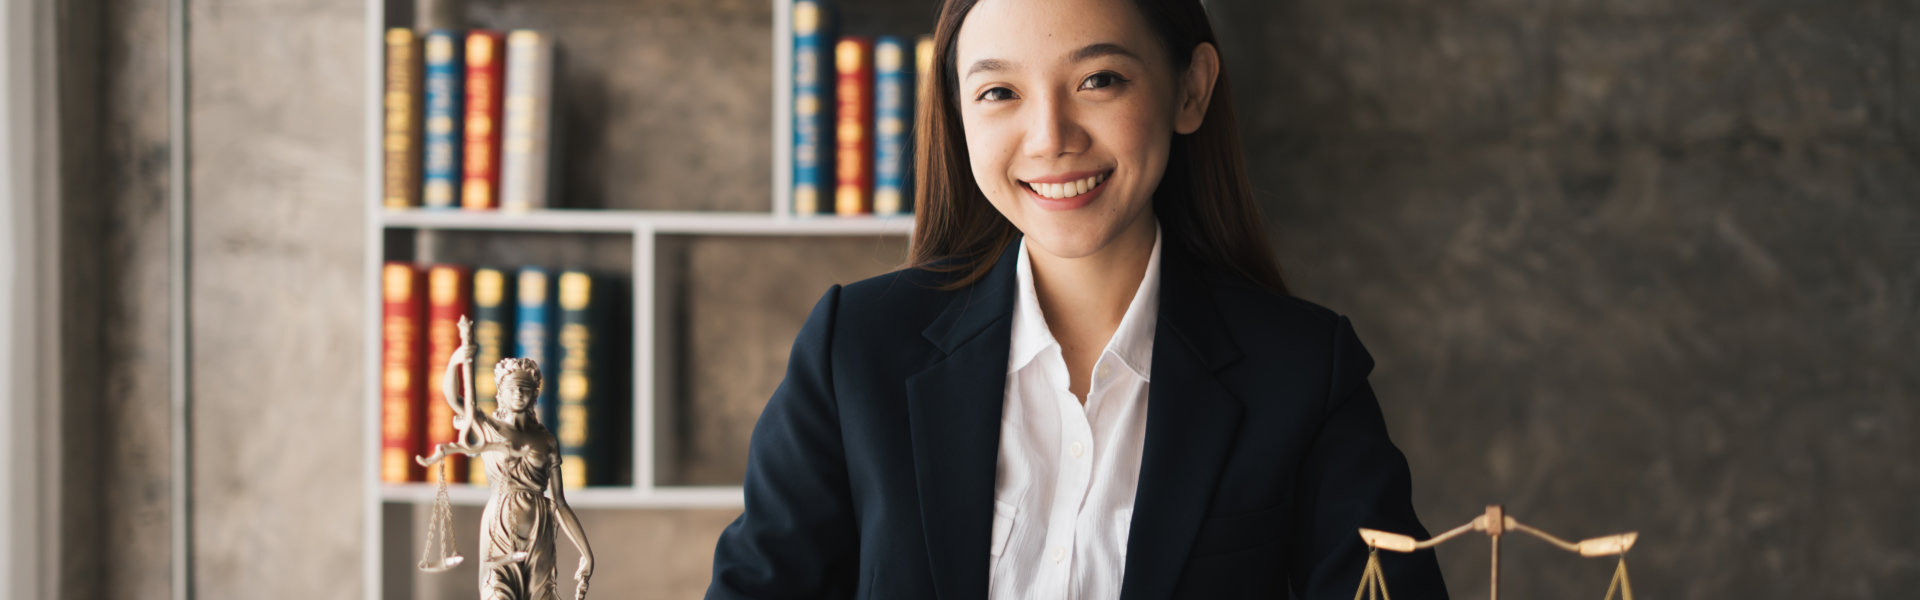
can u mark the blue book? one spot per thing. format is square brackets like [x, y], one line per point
[813, 80]
[493, 338]
[582, 371]
[893, 115]
[445, 83]
[533, 337]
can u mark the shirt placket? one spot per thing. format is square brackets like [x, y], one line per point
[1075, 477]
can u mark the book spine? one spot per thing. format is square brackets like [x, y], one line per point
[923, 86]
[480, 185]
[579, 397]
[402, 367]
[853, 62]
[446, 73]
[923, 69]
[524, 168]
[492, 337]
[533, 335]
[446, 303]
[812, 133]
[892, 82]
[401, 180]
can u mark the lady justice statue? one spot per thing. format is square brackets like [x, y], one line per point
[523, 467]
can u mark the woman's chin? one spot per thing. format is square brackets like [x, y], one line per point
[1066, 241]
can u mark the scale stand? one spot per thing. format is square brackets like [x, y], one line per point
[1495, 522]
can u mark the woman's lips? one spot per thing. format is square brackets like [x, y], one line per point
[1069, 202]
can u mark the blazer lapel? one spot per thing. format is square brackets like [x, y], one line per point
[1191, 423]
[953, 413]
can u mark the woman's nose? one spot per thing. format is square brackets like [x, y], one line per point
[1053, 128]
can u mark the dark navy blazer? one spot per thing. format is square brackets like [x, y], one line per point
[871, 471]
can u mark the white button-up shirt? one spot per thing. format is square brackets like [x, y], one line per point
[1067, 473]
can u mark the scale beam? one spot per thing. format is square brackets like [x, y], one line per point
[1495, 523]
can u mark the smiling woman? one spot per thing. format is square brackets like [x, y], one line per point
[1090, 381]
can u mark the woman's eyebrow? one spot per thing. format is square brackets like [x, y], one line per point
[1093, 51]
[1086, 53]
[986, 64]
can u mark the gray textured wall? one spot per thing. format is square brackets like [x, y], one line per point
[277, 296]
[114, 530]
[1625, 264]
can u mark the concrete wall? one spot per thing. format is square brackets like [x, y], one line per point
[115, 478]
[1625, 264]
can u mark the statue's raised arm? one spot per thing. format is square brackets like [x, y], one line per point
[458, 394]
[457, 388]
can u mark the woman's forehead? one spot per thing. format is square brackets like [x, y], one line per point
[1013, 34]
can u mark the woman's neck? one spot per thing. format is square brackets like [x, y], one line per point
[1084, 298]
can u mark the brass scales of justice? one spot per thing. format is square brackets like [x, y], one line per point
[1373, 583]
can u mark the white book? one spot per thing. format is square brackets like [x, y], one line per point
[525, 163]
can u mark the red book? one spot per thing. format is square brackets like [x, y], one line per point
[853, 139]
[480, 182]
[446, 303]
[401, 366]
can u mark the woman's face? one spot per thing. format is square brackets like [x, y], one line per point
[513, 398]
[1068, 107]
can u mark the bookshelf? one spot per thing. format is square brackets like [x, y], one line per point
[641, 234]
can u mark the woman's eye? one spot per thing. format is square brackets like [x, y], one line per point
[996, 94]
[1101, 80]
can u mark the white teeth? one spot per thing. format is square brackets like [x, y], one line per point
[1068, 189]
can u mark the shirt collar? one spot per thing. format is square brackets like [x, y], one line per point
[1132, 342]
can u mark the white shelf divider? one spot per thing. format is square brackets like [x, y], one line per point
[662, 222]
[593, 497]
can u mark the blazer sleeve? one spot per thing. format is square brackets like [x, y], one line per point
[797, 537]
[1354, 477]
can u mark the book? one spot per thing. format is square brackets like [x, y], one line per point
[480, 180]
[446, 74]
[401, 144]
[533, 336]
[401, 367]
[812, 136]
[853, 139]
[446, 303]
[524, 176]
[923, 87]
[582, 417]
[492, 338]
[923, 67]
[892, 114]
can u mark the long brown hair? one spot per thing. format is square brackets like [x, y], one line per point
[1204, 202]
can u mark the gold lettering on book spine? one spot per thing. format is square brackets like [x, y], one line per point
[806, 17]
[479, 49]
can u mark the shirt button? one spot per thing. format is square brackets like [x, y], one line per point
[1105, 370]
[1059, 554]
[1078, 449]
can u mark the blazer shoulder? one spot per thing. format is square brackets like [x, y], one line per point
[904, 300]
[1277, 313]
[1277, 328]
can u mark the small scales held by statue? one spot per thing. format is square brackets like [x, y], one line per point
[525, 504]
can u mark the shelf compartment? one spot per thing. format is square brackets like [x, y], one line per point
[721, 313]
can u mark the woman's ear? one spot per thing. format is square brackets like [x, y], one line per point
[1196, 88]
